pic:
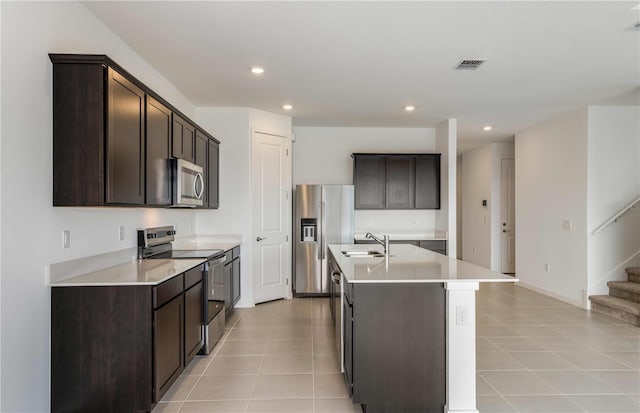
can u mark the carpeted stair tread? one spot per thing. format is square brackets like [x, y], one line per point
[616, 303]
[633, 270]
[627, 286]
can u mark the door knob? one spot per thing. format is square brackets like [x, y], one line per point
[260, 238]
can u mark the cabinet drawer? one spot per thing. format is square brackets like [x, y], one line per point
[348, 291]
[167, 290]
[436, 246]
[236, 252]
[229, 255]
[193, 276]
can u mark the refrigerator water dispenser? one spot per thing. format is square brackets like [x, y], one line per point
[309, 228]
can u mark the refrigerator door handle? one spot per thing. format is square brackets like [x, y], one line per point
[323, 244]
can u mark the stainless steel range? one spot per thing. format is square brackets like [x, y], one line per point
[156, 243]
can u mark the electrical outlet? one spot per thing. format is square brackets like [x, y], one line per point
[567, 224]
[474, 250]
[546, 267]
[371, 223]
[121, 232]
[66, 238]
[462, 315]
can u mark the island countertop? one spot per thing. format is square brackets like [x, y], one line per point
[409, 264]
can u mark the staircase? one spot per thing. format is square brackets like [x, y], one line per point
[623, 301]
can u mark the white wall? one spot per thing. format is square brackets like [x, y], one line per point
[551, 186]
[459, 205]
[481, 180]
[233, 127]
[477, 172]
[29, 32]
[322, 155]
[613, 182]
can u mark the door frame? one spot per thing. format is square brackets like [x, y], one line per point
[288, 181]
[500, 246]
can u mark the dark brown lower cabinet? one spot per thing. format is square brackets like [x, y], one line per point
[235, 276]
[117, 349]
[394, 346]
[168, 344]
[193, 339]
[439, 246]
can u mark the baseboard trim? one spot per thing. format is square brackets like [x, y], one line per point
[552, 294]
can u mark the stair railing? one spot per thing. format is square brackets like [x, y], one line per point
[632, 205]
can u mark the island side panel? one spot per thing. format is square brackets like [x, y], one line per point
[461, 347]
[100, 349]
[399, 347]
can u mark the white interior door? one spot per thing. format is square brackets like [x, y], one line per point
[271, 213]
[508, 219]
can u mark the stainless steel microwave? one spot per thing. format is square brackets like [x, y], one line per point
[188, 184]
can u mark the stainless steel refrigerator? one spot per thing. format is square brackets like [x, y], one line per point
[323, 215]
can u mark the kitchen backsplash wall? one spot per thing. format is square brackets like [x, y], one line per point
[395, 221]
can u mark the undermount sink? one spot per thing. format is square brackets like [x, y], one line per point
[362, 254]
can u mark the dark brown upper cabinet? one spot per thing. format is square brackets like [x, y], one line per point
[427, 182]
[400, 182]
[184, 134]
[369, 178]
[201, 155]
[159, 125]
[213, 177]
[113, 137]
[396, 181]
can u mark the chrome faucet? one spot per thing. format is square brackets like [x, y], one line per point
[384, 241]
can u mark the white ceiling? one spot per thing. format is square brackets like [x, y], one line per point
[360, 63]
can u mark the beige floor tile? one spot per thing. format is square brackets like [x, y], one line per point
[516, 344]
[627, 382]
[291, 333]
[243, 348]
[180, 389]
[289, 347]
[605, 344]
[329, 385]
[560, 344]
[591, 360]
[517, 383]
[197, 366]
[324, 346]
[630, 359]
[227, 365]
[284, 386]
[496, 331]
[493, 404]
[536, 360]
[223, 388]
[251, 322]
[483, 388]
[543, 404]
[496, 360]
[172, 407]
[281, 406]
[324, 333]
[287, 364]
[606, 404]
[220, 406]
[326, 363]
[575, 382]
[535, 331]
[250, 334]
[336, 406]
[482, 344]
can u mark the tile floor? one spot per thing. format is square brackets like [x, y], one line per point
[534, 354]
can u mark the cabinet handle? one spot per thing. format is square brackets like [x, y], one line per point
[195, 186]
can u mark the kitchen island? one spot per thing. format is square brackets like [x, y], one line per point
[405, 327]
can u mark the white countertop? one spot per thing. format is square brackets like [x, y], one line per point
[435, 235]
[207, 242]
[139, 272]
[409, 264]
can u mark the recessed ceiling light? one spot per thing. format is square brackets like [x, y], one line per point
[487, 128]
[257, 70]
[637, 7]
[287, 107]
[409, 108]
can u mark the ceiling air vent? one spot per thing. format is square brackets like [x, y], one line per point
[470, 64]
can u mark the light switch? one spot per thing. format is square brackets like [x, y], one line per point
[66, 238]
[567, 224]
